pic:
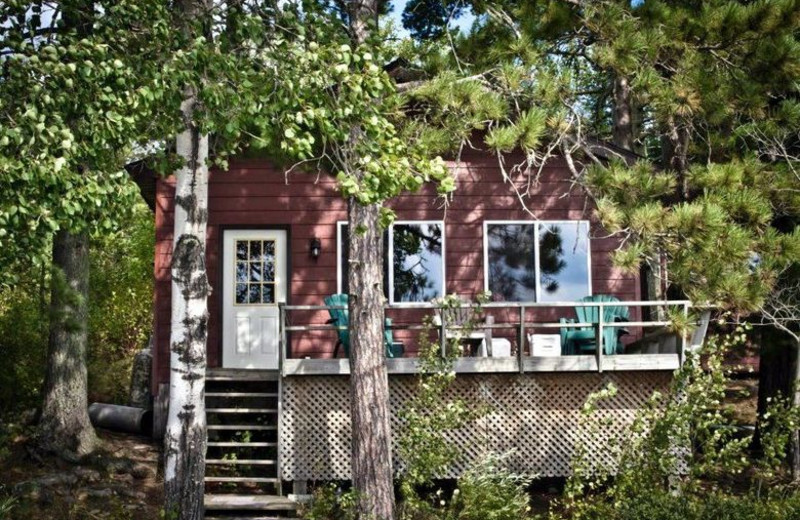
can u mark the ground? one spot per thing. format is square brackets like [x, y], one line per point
[119, 483]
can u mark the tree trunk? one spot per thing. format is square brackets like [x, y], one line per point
[64, 426]
[369, 384]
[795, 439]
[624, 126]
[185, 438]
[675, 153]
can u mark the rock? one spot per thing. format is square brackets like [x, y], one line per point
[118, 465]
[124, 477]
[100, 493]
[141, 471]
[89, 475]
[57, 479]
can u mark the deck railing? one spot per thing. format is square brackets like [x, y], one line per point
[521, 325]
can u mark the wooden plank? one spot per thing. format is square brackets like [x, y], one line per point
[249, 503]
[255, 480]
[638, 362]
[216, 444]
[241, 410]
[240, 374]
[239, 462]
[560, 364]
[241, 394]
[251, 427]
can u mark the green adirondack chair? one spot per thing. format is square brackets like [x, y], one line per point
[582, 340]
[341, 319]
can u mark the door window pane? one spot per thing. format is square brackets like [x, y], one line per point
[563, 261]
[512, 262]
[241, 293]
[268, 293]
[418, 262]
[255, 272]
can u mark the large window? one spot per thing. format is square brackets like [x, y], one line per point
[537, 261]
[413, 261]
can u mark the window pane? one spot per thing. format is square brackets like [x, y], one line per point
[268, 293]
[241, 272]
[255, 249]
[512, 262]
[241, 249]
[564, 264]
[241, 293]
[269, 252]
[255, 272]
[418, 265]
[254, 293]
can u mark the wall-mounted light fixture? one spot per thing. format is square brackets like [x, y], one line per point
[315, 247]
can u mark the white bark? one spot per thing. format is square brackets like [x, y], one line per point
[185, 438]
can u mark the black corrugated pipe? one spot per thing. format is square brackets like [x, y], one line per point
[121, 418]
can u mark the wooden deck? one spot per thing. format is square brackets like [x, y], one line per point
[485, 365]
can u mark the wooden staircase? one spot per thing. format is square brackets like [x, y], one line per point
[242, 474]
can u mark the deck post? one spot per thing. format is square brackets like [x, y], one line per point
[682, 345]
[599, 340]
[443, 333]
[521, 345]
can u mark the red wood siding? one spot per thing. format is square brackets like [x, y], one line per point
[252, 193]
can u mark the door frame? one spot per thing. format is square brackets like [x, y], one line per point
[221, 229]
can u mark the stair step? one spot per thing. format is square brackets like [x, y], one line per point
[232, 444]
[232, 462]
[257, 427]
[241, 410]
[241, 394]
[249, 518]
[255, 480]
[234, 375]
[249, 503]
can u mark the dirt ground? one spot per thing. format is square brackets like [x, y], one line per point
[119, 483]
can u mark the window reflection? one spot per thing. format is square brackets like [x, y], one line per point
[564, 261]
[559, 262]
[512, 262]
[417, 262]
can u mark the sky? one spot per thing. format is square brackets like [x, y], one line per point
[464, 22]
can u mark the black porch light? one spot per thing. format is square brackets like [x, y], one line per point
[316, 247]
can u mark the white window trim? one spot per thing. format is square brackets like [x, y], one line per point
[339, 225]
[339, 282]
[536, 224]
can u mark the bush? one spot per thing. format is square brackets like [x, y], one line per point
[120, 307]
[489, 492]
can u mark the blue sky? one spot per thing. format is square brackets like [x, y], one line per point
[464, 22]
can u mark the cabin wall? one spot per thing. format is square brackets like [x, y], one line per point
[253, 193]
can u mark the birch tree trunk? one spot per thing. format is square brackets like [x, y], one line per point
[64, 426]
[185, 438]
[369, 384]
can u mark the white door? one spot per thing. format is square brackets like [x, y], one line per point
[254, 281]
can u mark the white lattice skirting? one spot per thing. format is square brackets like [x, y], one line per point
[535, 416]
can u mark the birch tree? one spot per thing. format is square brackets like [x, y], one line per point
[185, 437]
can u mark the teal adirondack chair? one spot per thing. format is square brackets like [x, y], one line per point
[583, 340]
[341, 319]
